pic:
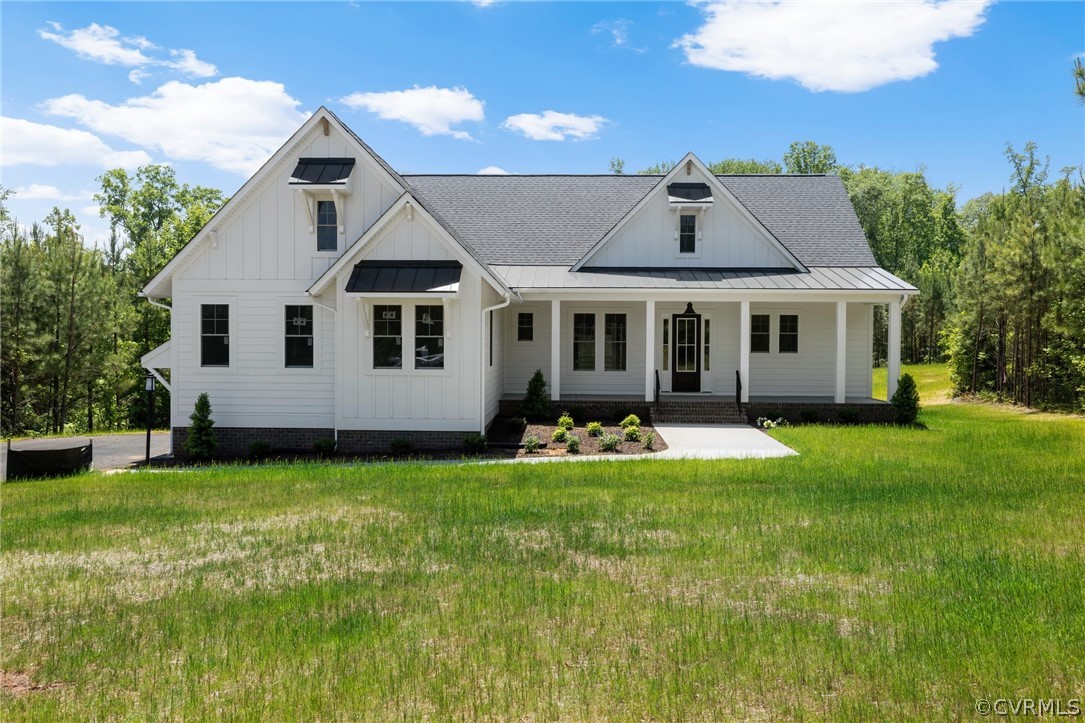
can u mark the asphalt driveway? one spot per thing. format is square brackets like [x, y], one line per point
[111, 451]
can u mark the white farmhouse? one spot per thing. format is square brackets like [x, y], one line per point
[333, 297]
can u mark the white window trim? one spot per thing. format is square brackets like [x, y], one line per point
[534, 337]
[408, 307]
[600, 339]
[317, 366]
[698, 235]
[197, 314]
[310, 197]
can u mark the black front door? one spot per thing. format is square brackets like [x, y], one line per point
[686, 357]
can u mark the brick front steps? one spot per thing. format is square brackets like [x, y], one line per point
[696, 411]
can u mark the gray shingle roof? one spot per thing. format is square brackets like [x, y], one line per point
[544, 220]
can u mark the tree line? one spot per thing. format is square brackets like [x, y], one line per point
[74, 327]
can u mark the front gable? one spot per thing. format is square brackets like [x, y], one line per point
[268, 230]
[718, 231]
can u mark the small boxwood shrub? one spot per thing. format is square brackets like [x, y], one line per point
[810, 416]
[516, 424]
[324, 447]
[649, 440]
[560, 435]
[595, 429]
[401, 446]
[532, 444]
[905, 400]
[536, 404]
[848, 416]
[609, 442]
[631, 421]
[260, 449]
[572, 444]
[475, 443]
[631, 434]
[565, 421]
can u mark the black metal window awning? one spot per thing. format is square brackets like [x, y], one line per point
[405, 277]
[689, 193]
[321, 171]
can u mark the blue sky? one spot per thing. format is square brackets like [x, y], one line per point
[214, 88]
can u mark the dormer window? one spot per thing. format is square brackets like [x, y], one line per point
[687, 234]
[327, 226]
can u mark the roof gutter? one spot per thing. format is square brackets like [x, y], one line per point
[152, 302]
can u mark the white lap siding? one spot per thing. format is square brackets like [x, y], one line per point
[256, 389]
[522, 358]
[599, 381]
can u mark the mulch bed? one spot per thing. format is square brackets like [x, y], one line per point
[500, 434]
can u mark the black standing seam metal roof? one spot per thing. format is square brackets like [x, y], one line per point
[690, 191]
[404, 276]
[322, 171]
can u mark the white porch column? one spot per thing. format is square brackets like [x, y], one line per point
[894, 347]
[555, 350]
[841, 350]
[649, 350]
[744, 349]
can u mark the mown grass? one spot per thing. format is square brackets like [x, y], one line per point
[885, 572]
[932, 380]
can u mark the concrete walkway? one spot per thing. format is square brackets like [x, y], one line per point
[688, 441]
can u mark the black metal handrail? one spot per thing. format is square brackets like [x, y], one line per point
[738, 388]
[657, 386]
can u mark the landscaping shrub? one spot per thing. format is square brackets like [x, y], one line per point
[632, 434]
[649, 440]
[766, 423]
[848, 416]
[810, 416]
[260, 449]
[631, 421]
[475, 443]
[201, 442]
[532, 444]
[324, 447]
[565, 421]
[401, 446]
[595, 429]
[516, 424]
[609, 442]
[560, 435]
[906, 400]
[536, 404]
[572, 444]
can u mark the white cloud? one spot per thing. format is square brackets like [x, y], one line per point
[45, 192]
[492, 171]
[835, 46]
[233, 124]
[105, 44]
[433, 111]
[483, 3]
[553, 126]
[26, 142]
[619, 33]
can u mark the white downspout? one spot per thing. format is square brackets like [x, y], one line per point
[335, 371]
[483, 366]
[152, 302]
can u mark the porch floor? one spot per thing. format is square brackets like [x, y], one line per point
[694, 397]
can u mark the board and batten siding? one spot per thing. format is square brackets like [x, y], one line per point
[812, 371]
[256, 389]
[494, 352]
[727, 238]
[408, 399]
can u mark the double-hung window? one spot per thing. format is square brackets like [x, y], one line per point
[789, 333]
[583, 342]
[387, 337]
[687, 233]
[215, 335]
[614, 342]
[759, 333]
[327, 226]
[429, 337]
[299, 336]
[525, 326]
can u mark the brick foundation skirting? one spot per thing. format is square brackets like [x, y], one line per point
[368, 441]
[827, 411]
[235, 441]
[583, 411]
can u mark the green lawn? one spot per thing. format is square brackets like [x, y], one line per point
[883, 573]
[932, 380]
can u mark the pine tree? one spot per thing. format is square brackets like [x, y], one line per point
[906, 400]
[536, 404]
[201, 441]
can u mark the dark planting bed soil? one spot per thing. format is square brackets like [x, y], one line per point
[499, 435]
